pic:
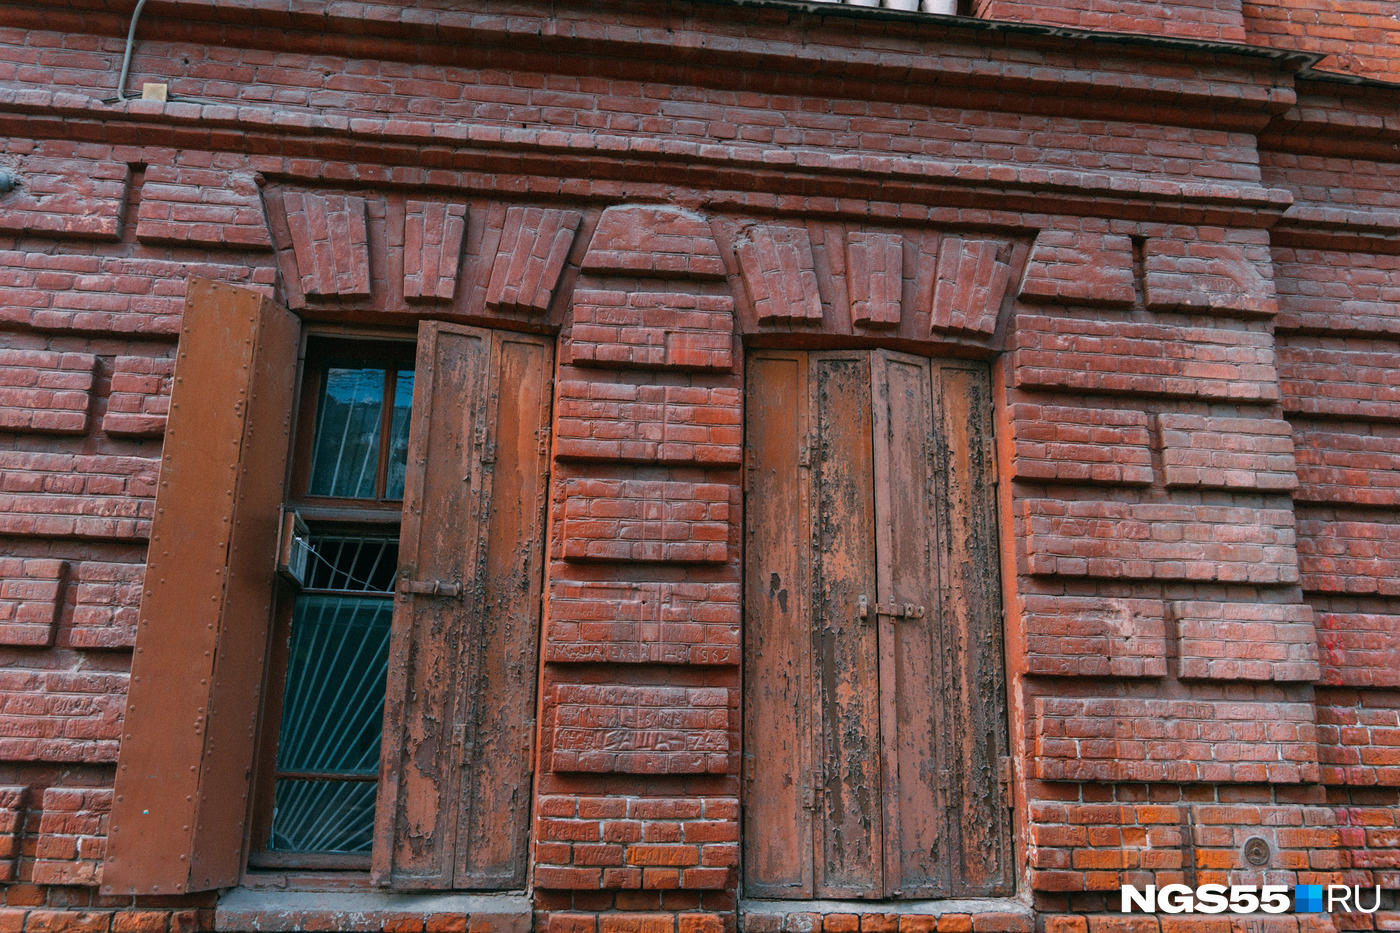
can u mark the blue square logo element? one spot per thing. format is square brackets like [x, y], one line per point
[1307, 898]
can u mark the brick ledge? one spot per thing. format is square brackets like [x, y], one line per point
[253, 910]
[953, 915]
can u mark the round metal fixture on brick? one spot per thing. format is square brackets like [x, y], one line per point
[1256, 851]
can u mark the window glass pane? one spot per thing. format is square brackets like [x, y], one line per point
[398, 435]
[357, 562]
[332, 716]
[323, 816]
[345, 455]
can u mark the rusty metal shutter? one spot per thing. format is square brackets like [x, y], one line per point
[875, 694]
[184, 769]
[459, 715]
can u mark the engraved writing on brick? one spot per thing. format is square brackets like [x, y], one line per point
[647, 730]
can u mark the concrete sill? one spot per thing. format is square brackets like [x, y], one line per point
[960, 915]
[258, 910]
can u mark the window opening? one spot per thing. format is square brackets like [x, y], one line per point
[333, 703]
[331, 654]
[401, 681]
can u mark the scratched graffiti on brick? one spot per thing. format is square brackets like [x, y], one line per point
[651, 730]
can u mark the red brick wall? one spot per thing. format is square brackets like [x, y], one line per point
[1186, 284]
[1354, 37]
[1358, 37]
[1206, 20]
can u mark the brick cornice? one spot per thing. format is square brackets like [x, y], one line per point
[780, 48]
[448, 150]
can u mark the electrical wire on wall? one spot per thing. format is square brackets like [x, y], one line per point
[122, 95]
[126, 55]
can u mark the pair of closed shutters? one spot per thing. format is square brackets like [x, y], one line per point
[875, 722]
[454, 801]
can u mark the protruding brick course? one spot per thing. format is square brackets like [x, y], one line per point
[658, 623]
[202, 206]
[72, 836]
[59, 494]
[1352, 379]
[45, 392]
[1338, 291]
[1159, 359]
[98, 294]
[625, 842]
[1353, 557]
[60, 716]
[1064, 444]
[1166, 541]
[1099, 845]
[1359, 739]
[1359, 649]
[67, 197]
[1342, 468]
[1094, 636]
[1080, 267]
[652, 330]
[624, 419]
[107, 597]
[646, 520]
[1245, 641]
[1119, 739]
[644, 730]
[12, 813]
[1227, 453]
[140, 396]
[1204, 274]
[31, 599]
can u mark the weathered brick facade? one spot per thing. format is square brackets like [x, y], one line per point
[1170, 230]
